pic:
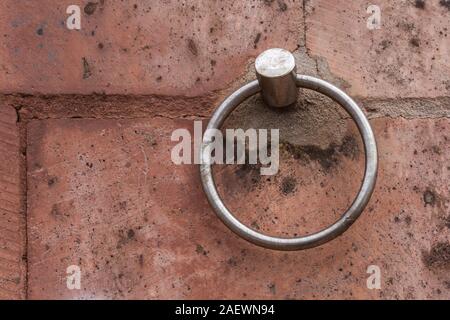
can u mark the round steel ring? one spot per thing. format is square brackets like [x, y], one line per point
[322, 236]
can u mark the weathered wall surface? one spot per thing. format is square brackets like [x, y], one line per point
[12, 208]
[94, 110]
[156, 47]
[408, 57]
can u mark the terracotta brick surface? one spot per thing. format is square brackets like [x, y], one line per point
[12, 227]
[139, 47]
[104, 195]
[408, 57]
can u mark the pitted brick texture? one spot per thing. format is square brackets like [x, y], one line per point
[104, 195]
[139, 47]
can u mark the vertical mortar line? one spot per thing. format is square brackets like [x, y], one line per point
[305, 28]
[22, 125]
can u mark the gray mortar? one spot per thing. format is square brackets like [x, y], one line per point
[408, 108]
[317, 120]
[314, 120]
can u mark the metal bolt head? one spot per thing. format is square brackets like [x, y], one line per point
[276, 72]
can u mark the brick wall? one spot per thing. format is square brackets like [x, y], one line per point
[87, 179]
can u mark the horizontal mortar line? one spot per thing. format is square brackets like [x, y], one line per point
[139, 115]
[407, 117]
[196, 117]
[126, 116]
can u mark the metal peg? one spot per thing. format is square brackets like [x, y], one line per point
[276, 73]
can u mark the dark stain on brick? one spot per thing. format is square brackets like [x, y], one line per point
[257, 38]
[438, 256]
[40, 31]
[288, 185]
[436, 150]
[255, 225]
[123, 205]
[192, 47]
[125, 237]
[272, 288]
[251, 171]
[349, 147]
[232, 262]
[328, 157]
[282, 6]
[384, 45]
[200, 250]
[447, 222]
[415, 42]
[408, 220]
[445, 4]
[131, 234]
[51, 181]
[55, 211]
[429, 198]
[86, 69]
[90, 8]
[325, 157]
[420, 4]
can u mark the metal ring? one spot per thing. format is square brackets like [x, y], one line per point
[320, 237]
